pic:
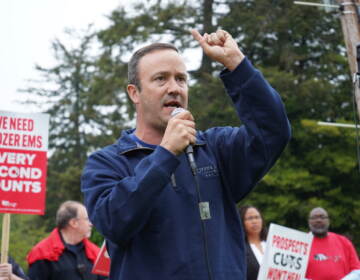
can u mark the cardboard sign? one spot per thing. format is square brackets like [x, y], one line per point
[102, 263]
[286, 255]
[23, 162]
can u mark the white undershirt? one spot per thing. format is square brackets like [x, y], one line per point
[257, 252]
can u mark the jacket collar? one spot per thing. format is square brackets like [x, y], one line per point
[52, 247]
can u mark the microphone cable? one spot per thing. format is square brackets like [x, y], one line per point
[203, 224]
[203, 206]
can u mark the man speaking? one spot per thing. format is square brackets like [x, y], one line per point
[161, 219]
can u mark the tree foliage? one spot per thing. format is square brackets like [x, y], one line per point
[84, 115]
[24, 233]
[300, 51]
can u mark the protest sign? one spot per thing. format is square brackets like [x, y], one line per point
[102, 262]
[286, 254]
[23, 162]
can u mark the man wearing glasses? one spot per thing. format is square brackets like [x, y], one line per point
[67, 253]
[332, 256]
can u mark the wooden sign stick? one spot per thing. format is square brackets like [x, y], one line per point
[5, 238]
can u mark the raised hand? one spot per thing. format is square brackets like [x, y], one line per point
[221, 47]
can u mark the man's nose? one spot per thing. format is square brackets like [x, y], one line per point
[173, 86]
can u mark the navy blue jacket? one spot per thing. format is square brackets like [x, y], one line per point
[144, 201]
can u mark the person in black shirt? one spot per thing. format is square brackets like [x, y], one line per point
[66, 254]
[255, 237]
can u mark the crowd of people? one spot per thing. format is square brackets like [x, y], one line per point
[170, 215]
[332, 256]
[68, 254]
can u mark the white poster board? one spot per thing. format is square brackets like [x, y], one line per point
[286, 255]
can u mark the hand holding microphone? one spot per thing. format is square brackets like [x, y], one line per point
[180, 134]
[180, 131]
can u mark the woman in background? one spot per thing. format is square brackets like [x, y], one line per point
[255, 238]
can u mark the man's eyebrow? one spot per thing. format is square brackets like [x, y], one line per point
[182, 74]
[160, 73]
[167, 73]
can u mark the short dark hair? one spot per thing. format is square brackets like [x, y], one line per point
[133, 73]
[68, 210]
[242, 211]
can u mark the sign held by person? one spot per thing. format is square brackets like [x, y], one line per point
[102, 262]
[286, 255]
[23, 162]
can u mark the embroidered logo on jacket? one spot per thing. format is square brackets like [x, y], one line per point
[208, 171]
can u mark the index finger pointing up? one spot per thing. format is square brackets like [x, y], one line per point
[197, 36]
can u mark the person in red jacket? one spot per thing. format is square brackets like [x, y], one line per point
[66, 253]
[332, 256]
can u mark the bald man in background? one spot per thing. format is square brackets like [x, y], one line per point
[332, 256]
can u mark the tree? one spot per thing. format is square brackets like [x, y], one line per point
[24, 234]
[301, 52]
[83, 116]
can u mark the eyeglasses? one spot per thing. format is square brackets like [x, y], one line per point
[250, 218]
[320, 217]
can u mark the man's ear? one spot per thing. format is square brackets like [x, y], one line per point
[133, 93]
[73, 222]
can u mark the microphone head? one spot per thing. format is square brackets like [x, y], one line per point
[177, 110]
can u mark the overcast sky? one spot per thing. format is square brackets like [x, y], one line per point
[27, 28]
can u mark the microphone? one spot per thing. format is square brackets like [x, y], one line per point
[189, 149]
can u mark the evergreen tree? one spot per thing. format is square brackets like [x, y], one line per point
[83, 116]
[300, 51]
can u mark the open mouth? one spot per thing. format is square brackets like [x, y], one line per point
[172, 103]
